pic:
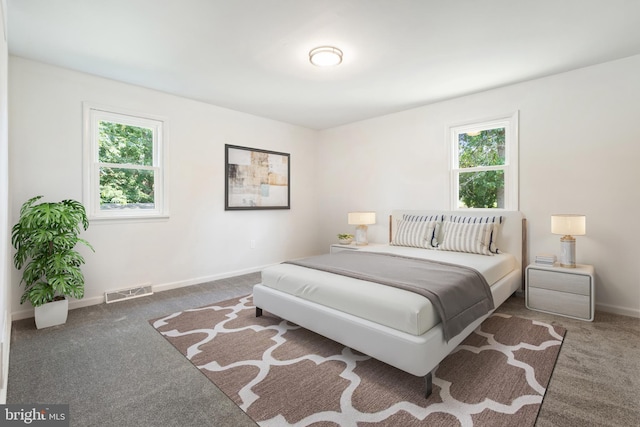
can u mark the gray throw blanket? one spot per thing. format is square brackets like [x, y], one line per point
[459, 294]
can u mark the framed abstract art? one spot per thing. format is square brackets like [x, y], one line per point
[256, 179]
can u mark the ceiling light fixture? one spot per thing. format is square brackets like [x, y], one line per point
[325, 56]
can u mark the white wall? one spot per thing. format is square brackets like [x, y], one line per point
[201, 241]
[5, 253]
[579, 153]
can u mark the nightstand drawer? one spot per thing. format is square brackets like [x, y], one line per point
[568, 304]
[571, 283]
[334, 249]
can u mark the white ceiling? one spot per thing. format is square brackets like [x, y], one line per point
[252, 55]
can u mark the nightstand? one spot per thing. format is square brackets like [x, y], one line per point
[337, 247]
[568, 292]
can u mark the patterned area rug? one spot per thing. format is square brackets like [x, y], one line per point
[281, 374]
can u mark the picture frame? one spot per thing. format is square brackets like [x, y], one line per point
[256, 179]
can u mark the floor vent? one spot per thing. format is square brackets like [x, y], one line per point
[125, 294]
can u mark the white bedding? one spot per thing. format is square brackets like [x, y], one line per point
[392, 307]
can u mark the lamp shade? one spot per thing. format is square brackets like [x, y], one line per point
[569, 224]
[361, 218]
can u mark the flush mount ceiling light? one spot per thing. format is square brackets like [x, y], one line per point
[325, 56]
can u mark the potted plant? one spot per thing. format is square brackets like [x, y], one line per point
[44, 239]
[345, 238]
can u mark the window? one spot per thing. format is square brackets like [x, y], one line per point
[123, 168]
[484, 167]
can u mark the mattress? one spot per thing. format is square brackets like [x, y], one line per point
[392, 307]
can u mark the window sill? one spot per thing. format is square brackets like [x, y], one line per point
[122, 219]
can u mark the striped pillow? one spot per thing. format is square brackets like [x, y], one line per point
[417, 231]
[494, 220]
[467, 237]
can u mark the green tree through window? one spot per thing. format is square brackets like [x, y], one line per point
[121, 145]
[483, 188]
[124, 154]
[484, 164]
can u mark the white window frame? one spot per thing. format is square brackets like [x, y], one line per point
[92, 115]
[510, 168]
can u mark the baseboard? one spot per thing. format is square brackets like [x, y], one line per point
[624, 311]
[205, 279]
[85, 302]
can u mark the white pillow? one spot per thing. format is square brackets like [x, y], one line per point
[417, 234]
[467, 237]
[494, 220]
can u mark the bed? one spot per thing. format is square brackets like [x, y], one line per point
[397, 326]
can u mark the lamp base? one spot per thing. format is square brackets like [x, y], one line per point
[568, 252]
[361, 235]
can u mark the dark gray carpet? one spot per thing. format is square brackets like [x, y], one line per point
[114, 369]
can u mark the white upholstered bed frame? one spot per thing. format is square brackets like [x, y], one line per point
[417, 355]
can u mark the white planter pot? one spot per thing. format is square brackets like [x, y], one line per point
[52, 314]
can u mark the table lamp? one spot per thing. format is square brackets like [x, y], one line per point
[568, 225]
[361, 220]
